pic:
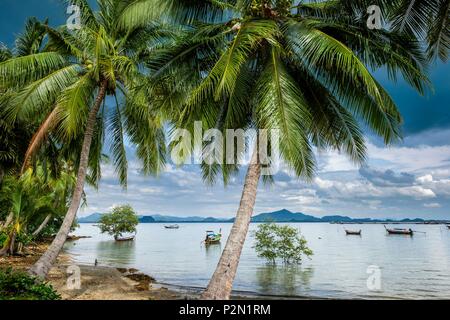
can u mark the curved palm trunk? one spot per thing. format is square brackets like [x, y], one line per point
[8, 246]
[5, 249]
[8, 221]
[42, 226]
[44, 264]
[38, 138]
[221, 283]
[12, 245]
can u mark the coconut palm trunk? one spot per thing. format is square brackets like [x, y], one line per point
[7, 221]
[221, 283]
[7, 245]
[42, 226]
[45, 263]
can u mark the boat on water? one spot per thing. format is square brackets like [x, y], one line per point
[353, 232]
[119, 239]
[173, 226]
[408, 232]
[448, 227]
[212, 237]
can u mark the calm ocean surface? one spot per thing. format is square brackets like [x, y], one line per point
[411, 267]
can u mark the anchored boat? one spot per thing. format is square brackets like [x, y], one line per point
[212, 237]
[353, 232]
[173, 226]
[408, 232]
[125, 239]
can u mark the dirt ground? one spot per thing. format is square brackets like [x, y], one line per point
[97, 282]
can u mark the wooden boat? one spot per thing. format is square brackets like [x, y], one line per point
[213, 238]
[353, 232]
[125, 239]
[173, 226]
[408, 232]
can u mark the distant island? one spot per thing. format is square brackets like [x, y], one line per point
[276, 216]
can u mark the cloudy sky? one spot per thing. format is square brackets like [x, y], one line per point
[411, 179]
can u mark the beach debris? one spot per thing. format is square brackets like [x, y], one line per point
[144, 281]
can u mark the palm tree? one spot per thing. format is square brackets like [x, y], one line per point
[13, 135]
[69, 81]
[259, 63]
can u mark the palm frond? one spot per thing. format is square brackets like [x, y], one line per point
[16, 72]
[75, 102]
[117, 146]
[439, 34]
[281, 106]
[42, 93]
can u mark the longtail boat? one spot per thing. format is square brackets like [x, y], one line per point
[212, 237]
[124, 239]
[353, 232]
[408, 232]
[173, 226]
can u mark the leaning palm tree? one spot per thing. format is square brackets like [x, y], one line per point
[13, 134]
[69, 82]
[305, 72]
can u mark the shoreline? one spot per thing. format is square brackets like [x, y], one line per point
[97, 282]
[115, 283]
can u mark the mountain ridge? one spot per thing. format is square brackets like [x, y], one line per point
[283, 215]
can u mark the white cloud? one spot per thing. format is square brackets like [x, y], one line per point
[426, 178]
[411, 159]
[432, 205]
[416, 192]
[150, 190]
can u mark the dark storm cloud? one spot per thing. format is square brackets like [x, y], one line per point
[386, 178]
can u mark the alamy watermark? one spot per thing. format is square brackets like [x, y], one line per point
[229, 147]
[374, 20]
[74, 277]
[74, 20]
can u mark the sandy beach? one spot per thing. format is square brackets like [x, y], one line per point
[97, 282]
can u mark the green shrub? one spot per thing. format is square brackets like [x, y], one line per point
[275, 242]
[3, 238]
[18, 285]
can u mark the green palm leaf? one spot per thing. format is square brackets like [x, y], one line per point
[19, 71]
[43, 92]
[281, 105]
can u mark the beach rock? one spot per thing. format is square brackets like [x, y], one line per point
[144, 281]
[122, 270]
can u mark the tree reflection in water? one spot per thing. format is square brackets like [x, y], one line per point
[289, 279]
[114, 252]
